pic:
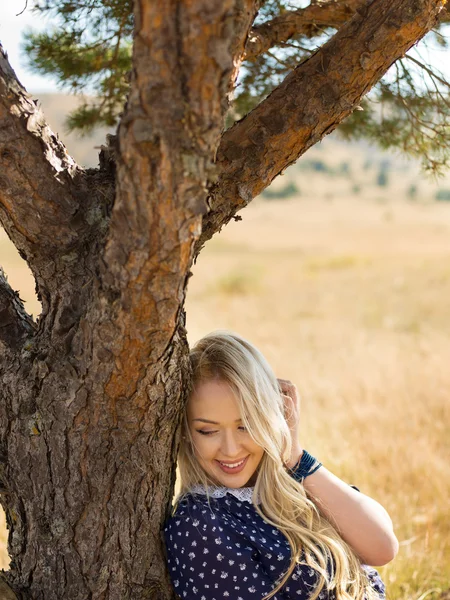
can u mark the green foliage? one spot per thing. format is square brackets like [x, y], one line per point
[404, 113]
[89, 49]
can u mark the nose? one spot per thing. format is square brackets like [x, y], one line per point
[230, 445]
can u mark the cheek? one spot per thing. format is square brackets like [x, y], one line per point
[257, 451]
[205, 448]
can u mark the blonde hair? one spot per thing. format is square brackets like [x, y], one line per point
[284, 503]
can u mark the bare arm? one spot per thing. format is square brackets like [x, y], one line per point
[360, 520]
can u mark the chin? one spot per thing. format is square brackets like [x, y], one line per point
[236, 485]
[234, 481]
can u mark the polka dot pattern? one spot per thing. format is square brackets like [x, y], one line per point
[226, 550]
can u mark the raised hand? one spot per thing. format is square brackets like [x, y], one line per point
[291, 398]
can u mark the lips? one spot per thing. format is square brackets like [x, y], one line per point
[233, 470]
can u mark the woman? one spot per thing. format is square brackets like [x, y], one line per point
[257, 516]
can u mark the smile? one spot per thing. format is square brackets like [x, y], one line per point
[235, 467]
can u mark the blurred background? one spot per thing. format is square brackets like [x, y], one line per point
[340, 274]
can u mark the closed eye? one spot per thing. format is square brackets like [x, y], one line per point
[203, 432]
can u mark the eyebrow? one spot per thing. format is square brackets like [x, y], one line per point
[213, 422]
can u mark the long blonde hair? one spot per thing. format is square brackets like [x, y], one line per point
[284, 503]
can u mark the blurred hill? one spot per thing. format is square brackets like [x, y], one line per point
[335, 168]
[330, 170]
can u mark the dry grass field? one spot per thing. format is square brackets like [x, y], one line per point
[351, 301]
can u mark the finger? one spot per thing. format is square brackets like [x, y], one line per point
[285, 387]
[289, 405]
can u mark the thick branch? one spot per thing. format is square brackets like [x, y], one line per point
[38, 204]
[308, 21]
[312, 101]
[15, 323]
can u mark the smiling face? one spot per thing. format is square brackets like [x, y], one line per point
[222, 446]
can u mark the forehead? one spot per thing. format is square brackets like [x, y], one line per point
[213, 400]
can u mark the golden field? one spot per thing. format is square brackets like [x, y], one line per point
[350, 299]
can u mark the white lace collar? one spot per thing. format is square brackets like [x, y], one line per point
[244, 494]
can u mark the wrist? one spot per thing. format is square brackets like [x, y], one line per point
[307, 465]
[296, 457]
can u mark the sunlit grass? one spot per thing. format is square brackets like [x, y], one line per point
[355, 309]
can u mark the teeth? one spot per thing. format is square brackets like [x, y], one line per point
[233, 466]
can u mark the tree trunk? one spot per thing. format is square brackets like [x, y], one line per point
[85, 479]
[85, 472]
[92, 394]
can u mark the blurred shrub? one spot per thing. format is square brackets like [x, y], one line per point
[334, 263]
[314, 165]
[443, 195]
[412, 192]
[289, 190]
[239, 282]
[344, 168]
[382, 178]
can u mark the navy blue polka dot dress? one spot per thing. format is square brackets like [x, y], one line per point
[226, 550]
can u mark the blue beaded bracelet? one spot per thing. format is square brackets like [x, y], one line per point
[306, 466]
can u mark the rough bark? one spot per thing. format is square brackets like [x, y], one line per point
[165, 159]
[15, 324]
[312, 101]
[90, 404]
[49, 207]
[306, 22]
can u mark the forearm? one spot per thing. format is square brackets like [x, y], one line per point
[361, 521]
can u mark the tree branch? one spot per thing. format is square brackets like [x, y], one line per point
[38, 200]
[308, 21]
[430, 72]
[312, 101]
[15, 323]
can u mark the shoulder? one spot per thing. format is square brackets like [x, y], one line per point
[192, 513]
[207, 525]
[191, 504]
